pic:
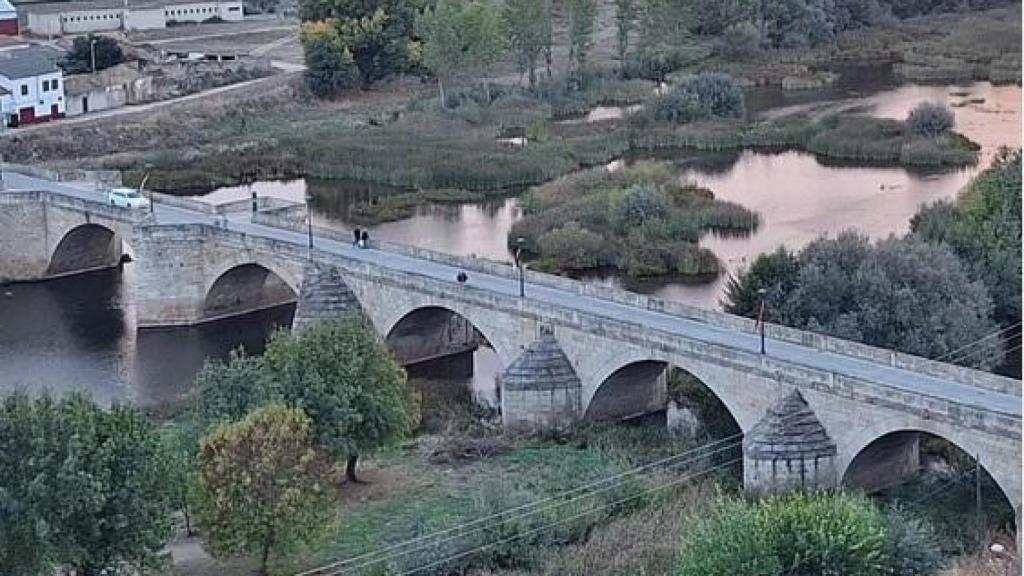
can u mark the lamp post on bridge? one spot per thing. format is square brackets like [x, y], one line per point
[760, 314]
[309, 227]
[519, 264]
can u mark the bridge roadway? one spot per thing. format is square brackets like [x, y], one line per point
[895, 377]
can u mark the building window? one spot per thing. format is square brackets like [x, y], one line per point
[53, 84]
[24, 89]
[233, 8]
[46, 85]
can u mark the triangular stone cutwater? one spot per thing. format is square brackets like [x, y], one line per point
[324, 296]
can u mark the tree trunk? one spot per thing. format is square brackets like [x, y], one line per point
[350, 468]
[440, 89]
[189, 531]
[548, 59]
[532, 65]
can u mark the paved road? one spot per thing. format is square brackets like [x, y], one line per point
[897, 378]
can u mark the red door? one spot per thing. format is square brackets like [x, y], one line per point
[54, 112]
[27, 115]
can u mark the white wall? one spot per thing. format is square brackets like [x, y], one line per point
[79, 21]
[98, 99]
[199, 11]
[144, 18]
[41, 100]
[43, 24]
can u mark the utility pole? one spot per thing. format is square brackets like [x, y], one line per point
[92, 53]
[977, 493]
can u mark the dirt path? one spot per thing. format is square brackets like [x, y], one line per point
[291, 69]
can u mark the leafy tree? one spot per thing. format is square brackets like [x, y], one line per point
[459, 35]
[28, 470]
[798, 23]
[930, 119]
[181, 445]
[712, 17]
[625, 19]
[347, 382]
[79, 59]
[528, 23]
[110, 500]
[582, 14]
[227, 391]
[377, 33]
[776, 273]
[901, 294]
[330, 68]
[264, 486]
[80, 487]
[984, 229]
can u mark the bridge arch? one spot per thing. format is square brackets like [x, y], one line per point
[244, 288]
[881, 456]
[85, 247]
[706, 377]
[429, 332]
[638, 384]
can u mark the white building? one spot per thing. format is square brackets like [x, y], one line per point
[32, 85]
[59, 18]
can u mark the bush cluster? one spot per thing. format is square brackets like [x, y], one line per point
[808, 533]
[930, 119]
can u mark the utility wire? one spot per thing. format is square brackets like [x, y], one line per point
[518, 512]
[958, 351]
[532, 531]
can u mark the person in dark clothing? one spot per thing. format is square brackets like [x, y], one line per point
[461, 277]
[355, 237]
[364, 240]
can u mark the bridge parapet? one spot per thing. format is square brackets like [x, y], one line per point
[125, 215]
[663, 344]
[819, 342]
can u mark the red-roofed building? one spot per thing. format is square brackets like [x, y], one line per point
[8, 19]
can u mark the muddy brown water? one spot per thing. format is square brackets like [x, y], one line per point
[77, 333]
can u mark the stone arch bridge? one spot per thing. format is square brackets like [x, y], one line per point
[815, 410]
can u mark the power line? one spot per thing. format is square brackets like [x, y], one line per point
[982, 354]
[957, 351]
[531, 509]
[569, 519]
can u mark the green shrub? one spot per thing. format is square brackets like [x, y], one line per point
[913, 548]
[797, 534]
[717, 93]
[930, 119]
[572, 247]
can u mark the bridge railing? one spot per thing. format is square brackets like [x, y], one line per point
[134, 217]
[818, 342]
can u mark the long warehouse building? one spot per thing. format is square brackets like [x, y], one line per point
[60, 18]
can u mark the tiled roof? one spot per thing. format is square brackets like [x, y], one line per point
[27, 62]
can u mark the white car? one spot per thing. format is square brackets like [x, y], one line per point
[127, 198]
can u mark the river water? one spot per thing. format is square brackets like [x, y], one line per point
[76, 333]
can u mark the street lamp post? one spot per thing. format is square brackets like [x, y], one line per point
[760, 314]
[92, 54]
[309, 226]
[519, 265]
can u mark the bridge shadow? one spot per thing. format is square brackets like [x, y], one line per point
[244, 289]
[935, 479]
[449, 359]
[86, 248]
